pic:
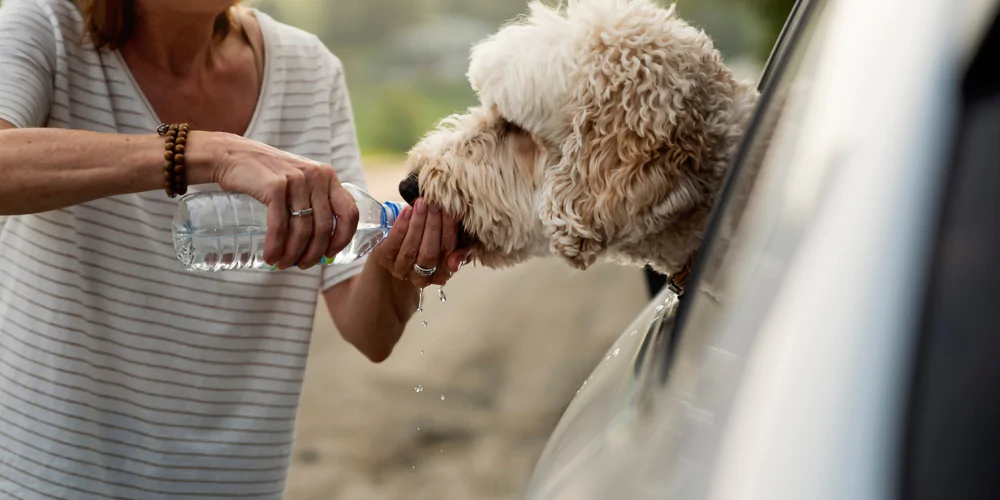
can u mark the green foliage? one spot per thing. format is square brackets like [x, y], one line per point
[394, 107]
[396, 116]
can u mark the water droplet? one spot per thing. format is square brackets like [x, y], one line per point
[634, 333]
[418, 428]
[414, 466]
[441, 296]
[615, 354]
[418, 389]
[421, 353]
[420, 302]
[442, 397]
[424, 324]
[442, 451]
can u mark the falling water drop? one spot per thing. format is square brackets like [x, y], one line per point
[418, 389]
[421, 353]
[442, 397]
[424, 324]
[420, 302]
[441, 296]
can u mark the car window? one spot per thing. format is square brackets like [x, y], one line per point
[767, 202]
[741, 243]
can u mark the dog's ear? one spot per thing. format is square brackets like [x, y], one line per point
[637, 144]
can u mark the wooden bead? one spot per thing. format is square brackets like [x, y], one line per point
[182, 189]
[169, 155]
[178, 148]
[166, 175]
[178, 158]
[168, 164]
[184, 127]
[182, 135]
[170, 146]
[174, 127]
[178, 179]
[167, 185]
[182, 141]
[178, 168]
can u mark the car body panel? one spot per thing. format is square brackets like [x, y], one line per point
[790, 376]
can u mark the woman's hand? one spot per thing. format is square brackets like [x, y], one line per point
[425, 236]
[285, 183]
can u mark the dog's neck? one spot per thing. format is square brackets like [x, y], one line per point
[697, 219]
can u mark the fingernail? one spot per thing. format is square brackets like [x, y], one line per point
[421, 208]
[407, 212]
[435, 209]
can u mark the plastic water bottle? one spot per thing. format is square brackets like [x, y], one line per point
[221, 231]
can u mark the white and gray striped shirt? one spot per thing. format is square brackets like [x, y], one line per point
[122, 376]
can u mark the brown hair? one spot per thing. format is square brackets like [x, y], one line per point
[110, 23]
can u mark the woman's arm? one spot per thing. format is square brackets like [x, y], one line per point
[47, 169]
[372, 309]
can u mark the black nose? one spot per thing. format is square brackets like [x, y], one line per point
[409, 188]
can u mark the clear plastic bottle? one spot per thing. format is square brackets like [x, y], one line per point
[222, 231]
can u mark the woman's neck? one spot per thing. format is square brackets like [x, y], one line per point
[174, 42]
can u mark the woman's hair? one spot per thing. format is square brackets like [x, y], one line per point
[110, 23]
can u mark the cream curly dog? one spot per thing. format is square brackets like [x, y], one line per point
[604, 128]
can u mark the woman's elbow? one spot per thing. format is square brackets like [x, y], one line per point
[376, 350]
[377, 355]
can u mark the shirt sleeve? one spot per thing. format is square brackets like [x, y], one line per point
[345, 156]
[27, 61]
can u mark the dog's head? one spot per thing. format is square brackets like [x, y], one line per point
[597, 125]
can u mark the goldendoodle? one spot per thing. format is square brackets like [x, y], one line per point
[604, 129]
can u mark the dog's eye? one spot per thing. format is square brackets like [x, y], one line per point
[511, 127]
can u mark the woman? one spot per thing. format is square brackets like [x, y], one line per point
[121, 376]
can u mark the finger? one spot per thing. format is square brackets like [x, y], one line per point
[388, 249]
[410, 249]
[277, 221]
[456, 259]
[449, 234]
[429, 256]
[346, 211]
[299, 228]
[322, 222]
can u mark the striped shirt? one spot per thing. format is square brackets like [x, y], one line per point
[121, 375]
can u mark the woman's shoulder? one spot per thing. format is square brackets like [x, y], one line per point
[49, 15]
[297, 46]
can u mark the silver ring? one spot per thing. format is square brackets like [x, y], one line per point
[302, 213]
[424, 272]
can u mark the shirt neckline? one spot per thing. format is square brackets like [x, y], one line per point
[266, 35]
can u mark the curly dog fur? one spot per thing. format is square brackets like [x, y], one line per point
[604, 128]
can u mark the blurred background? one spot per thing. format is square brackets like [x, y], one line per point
[466, 403]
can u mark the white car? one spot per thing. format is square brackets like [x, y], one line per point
[840, 336]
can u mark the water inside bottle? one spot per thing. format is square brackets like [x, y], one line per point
[221, 231]
[242, 247]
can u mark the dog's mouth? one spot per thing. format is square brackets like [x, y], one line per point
[465, 238]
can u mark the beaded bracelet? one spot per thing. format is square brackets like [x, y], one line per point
[174, 174]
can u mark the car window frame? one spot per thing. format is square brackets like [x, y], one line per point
[776, 64]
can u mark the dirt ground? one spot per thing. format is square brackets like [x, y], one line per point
[463, 407]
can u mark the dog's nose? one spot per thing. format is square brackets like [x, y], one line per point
[409, 188]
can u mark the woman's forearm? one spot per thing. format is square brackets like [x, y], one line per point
[47, 169]
[372, 310]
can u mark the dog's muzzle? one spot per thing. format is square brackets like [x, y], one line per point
[409, 188]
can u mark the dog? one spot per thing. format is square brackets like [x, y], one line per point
[604, 129]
